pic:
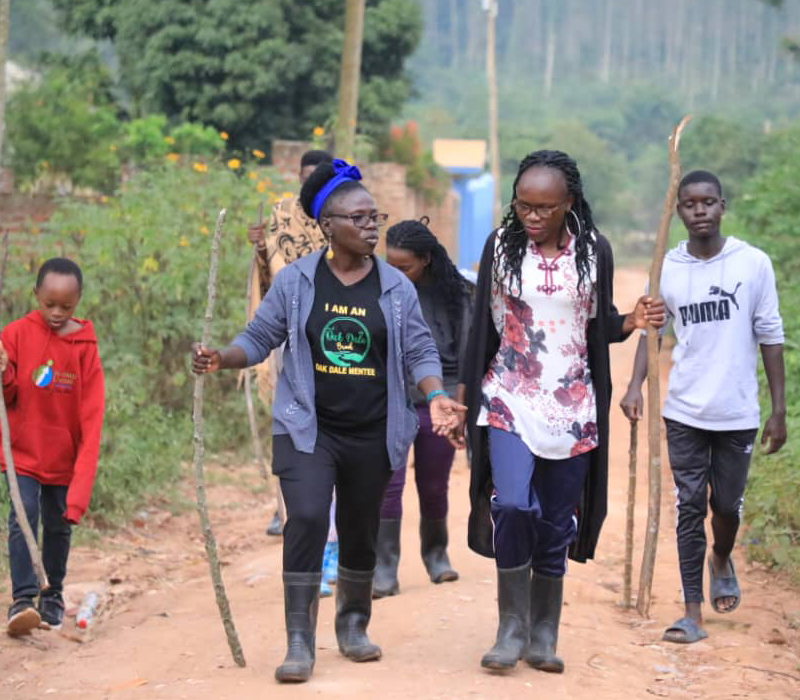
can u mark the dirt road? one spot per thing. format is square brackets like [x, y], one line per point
[160, 636]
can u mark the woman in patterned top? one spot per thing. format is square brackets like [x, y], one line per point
[537, 385]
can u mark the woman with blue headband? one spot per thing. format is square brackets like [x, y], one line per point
[353, 330]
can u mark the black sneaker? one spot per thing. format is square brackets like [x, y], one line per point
[22, 617]
[51, 609]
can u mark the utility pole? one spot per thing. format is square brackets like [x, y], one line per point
[349, 76]
[490, 8]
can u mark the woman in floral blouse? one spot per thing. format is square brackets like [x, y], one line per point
[538, 387]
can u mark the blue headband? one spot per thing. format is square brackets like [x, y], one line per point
[343, 172]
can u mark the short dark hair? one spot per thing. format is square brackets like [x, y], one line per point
[315, 158]
[61, 266]
[700, 176]
[316, 181]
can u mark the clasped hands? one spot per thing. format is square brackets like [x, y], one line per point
[448, 418]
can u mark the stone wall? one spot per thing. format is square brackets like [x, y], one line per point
[286, 157]
[387, 183]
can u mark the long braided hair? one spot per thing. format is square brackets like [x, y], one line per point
[416, 237]
[513, 238]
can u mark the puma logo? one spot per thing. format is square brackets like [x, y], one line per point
[726, 295]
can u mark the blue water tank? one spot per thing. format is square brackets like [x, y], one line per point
[476, 190]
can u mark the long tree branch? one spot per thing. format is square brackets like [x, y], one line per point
[199, 453]
[258, 451]
[630, 512]
[11, 472]
[653, 388]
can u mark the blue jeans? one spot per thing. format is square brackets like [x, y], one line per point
[533, 506]
[49, 502]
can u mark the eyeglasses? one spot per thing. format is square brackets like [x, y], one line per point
[364, 220]
[543, 211]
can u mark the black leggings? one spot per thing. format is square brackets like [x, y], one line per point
[358, 467]
[699, 459]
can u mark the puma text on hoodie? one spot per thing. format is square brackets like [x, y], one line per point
[53, 388]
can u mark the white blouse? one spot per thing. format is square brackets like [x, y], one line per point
[539, 386]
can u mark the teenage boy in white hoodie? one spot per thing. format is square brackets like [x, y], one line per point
[721, 297]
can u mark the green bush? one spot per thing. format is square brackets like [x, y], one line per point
[717, 144]
[144, 254]
[66, 130]
[64, 127]
[146, 139]
[196, 139]
[403, 145]
[768, 214]
[149, 139]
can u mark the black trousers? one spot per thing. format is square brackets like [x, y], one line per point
[699, 459]
[357, 466]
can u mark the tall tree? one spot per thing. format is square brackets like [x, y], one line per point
[349, 78]
[256, 69]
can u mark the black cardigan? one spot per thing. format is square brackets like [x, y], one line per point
[484, 343]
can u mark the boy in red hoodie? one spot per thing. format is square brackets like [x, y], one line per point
[53, 389]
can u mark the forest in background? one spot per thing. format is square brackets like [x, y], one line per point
[606, 80]
[734, 43]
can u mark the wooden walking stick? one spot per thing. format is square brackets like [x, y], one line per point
[628, 574]
[199, 453]
[653, 389]
[258, 450]
[13, 485]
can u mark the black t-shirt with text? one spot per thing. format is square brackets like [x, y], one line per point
[347, 333]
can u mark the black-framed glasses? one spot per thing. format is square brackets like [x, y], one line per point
[542, 211]
[364, 220]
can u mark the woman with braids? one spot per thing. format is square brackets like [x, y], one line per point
[537, 385]
[353, 331]
[445, 301]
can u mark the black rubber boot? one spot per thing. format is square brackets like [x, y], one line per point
[433, 546]
[513, 603]
[353, 610]
[301, 602]
[387, 551]
[547, 597]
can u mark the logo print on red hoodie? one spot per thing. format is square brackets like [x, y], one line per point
[43, 374]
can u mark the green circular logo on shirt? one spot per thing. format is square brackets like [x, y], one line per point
[345, 341]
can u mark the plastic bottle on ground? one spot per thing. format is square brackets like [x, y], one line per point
[86, 612]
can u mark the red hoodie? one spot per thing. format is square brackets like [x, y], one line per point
[53, 387]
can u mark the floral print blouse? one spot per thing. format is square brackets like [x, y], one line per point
[539, 386]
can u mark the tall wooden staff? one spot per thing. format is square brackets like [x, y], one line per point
[199, 453]
[258, 451]
[628, 575]
[13, 485]
[653, 389]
